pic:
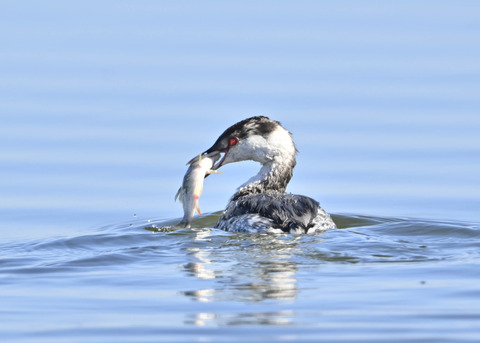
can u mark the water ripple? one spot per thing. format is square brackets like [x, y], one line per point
[359, 239]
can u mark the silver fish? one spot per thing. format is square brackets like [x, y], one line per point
[192, 186]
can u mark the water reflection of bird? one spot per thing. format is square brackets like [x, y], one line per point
[261, 204]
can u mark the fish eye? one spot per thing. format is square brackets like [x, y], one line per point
[232, 141]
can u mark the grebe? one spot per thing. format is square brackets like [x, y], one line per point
[261, 204]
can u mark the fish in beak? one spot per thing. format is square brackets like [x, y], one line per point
[192, 186]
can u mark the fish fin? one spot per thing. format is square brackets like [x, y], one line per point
[178, 194]
[198, 210]
[193, 160]
[211, 171]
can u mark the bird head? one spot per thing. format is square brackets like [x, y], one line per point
[257, 138]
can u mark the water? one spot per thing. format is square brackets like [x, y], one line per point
[102, 104]
[375, 278]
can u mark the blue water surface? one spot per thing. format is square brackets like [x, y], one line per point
[103, 103]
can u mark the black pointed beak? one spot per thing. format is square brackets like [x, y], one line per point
[217, 149]
[214, 155]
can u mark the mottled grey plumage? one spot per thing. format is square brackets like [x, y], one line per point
[261, 204]
[274, 212]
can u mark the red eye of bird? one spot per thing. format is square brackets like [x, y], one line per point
[233, 141]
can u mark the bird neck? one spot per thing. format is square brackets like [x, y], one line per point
[274, 176]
